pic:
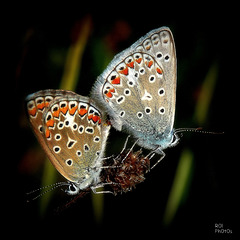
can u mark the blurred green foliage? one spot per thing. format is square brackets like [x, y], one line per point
[185, 168]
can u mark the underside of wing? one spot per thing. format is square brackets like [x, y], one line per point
[71, 130]
[138, 88]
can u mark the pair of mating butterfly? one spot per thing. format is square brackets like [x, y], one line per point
[137, 91]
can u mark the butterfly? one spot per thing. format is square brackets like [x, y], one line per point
[72, 131]
[138, 90]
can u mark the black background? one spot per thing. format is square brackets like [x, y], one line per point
[203, 36]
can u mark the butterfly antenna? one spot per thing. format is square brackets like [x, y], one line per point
[197, 130]
[51, 187]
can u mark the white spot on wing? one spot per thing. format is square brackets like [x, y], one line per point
[147, 96]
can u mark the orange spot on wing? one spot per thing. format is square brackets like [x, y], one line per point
[56, 113]
[41, 105]
[90, 117]
[47, 103]
[124, 71]
[72, 110]
[82, 112]
[116, 80]
[47, 133]
[109, 93]
[159, 70]
[148, 47]
[50, 122]
[150, 63]
[95, 118]
[139, 60]
[64, 109]
[32, 111]
[131, 64]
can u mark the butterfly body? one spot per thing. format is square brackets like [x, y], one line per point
[72, 130]
[138, 89]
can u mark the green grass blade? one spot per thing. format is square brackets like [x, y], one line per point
[205, 96]
[178, 189]
[184, 170]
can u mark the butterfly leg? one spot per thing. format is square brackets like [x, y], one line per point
[125, 144]
[159, 160]
[124, 147]
[94, 189]
[130, 150]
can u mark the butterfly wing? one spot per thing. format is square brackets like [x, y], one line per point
[138, 88]
[73, 134]
[37, 103]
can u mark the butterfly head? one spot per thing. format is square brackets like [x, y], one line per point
[90, 179]
[158, 142]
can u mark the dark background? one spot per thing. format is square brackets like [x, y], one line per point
[40, 37]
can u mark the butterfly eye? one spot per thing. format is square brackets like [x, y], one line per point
[72, 189]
